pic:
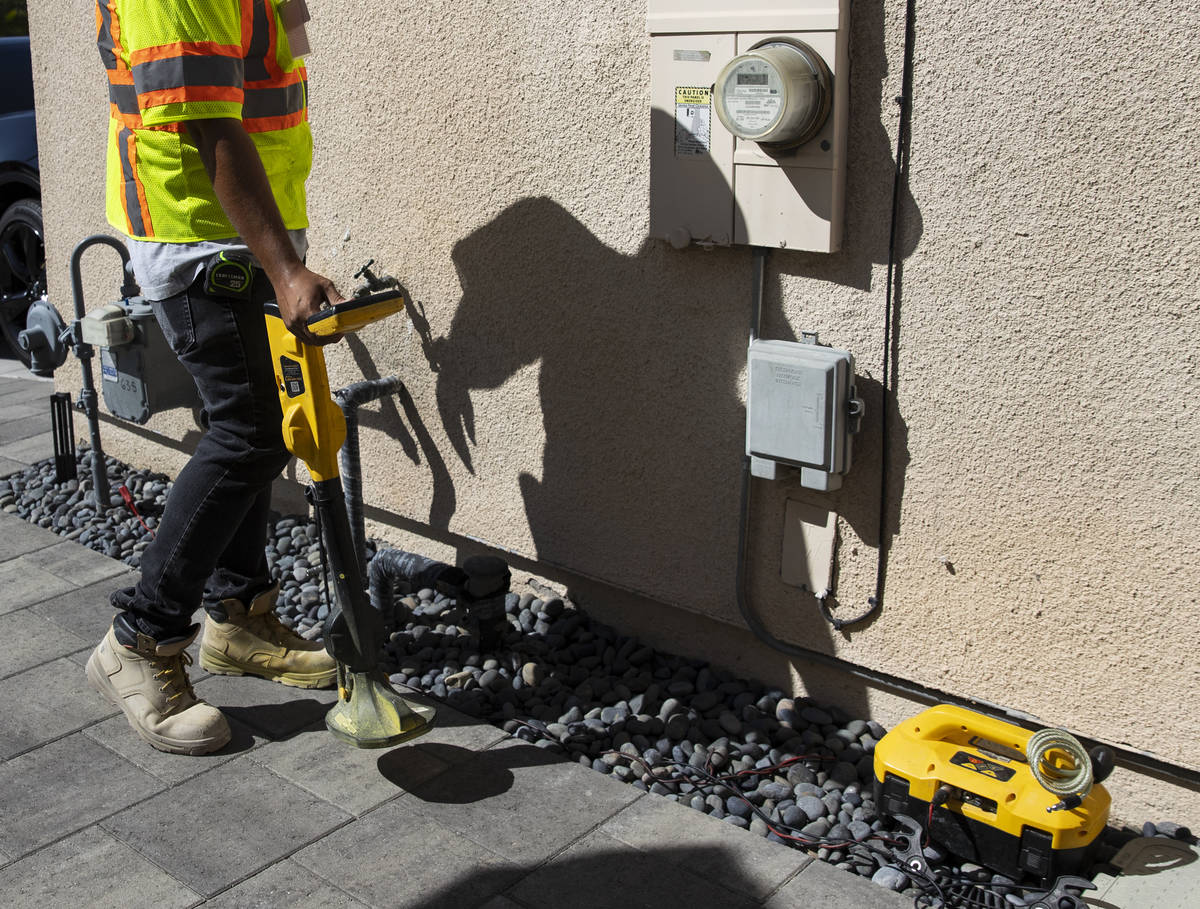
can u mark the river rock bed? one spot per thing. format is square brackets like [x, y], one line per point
[789, 769]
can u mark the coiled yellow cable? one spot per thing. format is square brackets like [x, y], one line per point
[1060, 764]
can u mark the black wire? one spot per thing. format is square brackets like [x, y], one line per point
[903, 135]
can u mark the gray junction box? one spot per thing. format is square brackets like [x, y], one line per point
[140, 374]
[802, 410]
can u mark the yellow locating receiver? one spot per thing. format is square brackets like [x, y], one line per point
[350, 316]
[313, 426]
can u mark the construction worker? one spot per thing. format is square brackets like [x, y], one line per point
[208, 151]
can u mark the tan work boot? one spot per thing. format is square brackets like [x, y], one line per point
[254, 642]
[149, 682]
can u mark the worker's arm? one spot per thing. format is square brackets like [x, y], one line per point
[244, 192]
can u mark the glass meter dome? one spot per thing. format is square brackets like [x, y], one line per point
[778, 94]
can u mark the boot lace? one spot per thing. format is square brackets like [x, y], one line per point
[172, 672]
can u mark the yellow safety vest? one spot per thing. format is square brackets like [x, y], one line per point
[170, 61]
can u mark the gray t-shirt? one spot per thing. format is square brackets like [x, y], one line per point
[165, 269]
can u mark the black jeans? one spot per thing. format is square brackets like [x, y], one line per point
[211, 538]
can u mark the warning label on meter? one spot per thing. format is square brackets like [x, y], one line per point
[693, 120]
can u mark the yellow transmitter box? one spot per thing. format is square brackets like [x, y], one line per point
[996, 814]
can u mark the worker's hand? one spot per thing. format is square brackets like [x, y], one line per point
[302, 293]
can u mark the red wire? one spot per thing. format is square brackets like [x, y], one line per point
[128, 497]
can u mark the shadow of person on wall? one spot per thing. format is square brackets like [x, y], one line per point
[629, 424]
[640, 471]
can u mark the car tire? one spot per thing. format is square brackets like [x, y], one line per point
[22, 268]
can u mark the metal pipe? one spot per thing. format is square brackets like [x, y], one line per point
[757, 279]
[88, 399]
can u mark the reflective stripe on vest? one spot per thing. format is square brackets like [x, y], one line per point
[136, 210]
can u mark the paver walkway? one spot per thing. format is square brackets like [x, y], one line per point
[286, 815]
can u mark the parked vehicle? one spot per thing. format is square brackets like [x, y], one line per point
[22, 250]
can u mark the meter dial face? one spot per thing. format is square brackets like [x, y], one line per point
[753, 96]
[778, 93]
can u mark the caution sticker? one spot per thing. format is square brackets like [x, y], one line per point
[693, 120]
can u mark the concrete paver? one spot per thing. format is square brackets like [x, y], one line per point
[116, 735]
[225, 825]
[16, 430]
[31, 450]
[77, 564]
[521, 801]
[500, 902]
[650, 822]
[46, 703]
[91, 869]
[85, 611]
[24, 584]
[14, 412]
[273, 710]
[395, 858]
[1156, 872]
[599, 872]
[284, 884]
[356, 780]
[823, 885]
[8, 466]
[30, 640]
[64, 787]
[18, 536]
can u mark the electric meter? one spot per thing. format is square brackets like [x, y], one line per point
[778, 94]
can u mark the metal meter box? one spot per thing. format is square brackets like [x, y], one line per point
[717, 61]
[140, 374]
[802, 410]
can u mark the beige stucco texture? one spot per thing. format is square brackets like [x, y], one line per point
[575, 390]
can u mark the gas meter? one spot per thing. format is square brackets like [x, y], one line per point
[777, 94]
[748, 122]
[140, 375]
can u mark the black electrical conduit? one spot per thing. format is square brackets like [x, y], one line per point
[1130, 758]
[349, 399]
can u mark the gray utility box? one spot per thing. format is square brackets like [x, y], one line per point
[802, 411]
[140, 374]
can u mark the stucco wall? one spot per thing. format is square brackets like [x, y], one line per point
[576, 391]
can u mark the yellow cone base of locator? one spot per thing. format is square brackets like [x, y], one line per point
[371, 714]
